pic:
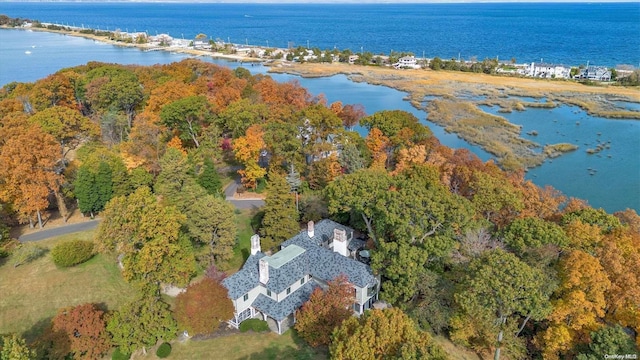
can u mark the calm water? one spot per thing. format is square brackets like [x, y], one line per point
[610, 178]
[615, 185]
[569, 33]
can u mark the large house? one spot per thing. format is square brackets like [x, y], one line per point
[548, 71]
[274, 286]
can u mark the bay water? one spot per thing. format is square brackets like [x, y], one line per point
[610, 179]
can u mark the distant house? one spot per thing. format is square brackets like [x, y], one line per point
[407, 62]
[548, 71]
[596, 73]
[274, 287]
[353, 58]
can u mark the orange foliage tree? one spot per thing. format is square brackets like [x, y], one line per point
[377, 144]
[247, 151]
[28, 162]
[203, 307]
[324, 311]
[85, 327]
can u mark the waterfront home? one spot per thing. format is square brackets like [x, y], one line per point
[548, 71]
[596, 73]
[407, 62]
[353, 58]
[272, 287]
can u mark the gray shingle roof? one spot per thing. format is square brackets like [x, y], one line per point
[244, 280]
[282, 309]
[321, 263]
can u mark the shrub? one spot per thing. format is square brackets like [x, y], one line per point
[27, 253]
[119, 355]
[256, 325]
[164, 350]
[72, 252]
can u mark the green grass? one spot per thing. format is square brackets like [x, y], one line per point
[33, 293]
[243, 247]
[259, 346]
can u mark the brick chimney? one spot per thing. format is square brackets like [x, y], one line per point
[255, 244]
[340, 242]
[310, 230]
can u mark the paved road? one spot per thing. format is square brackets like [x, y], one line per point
[87, 225]
[244, 203]
[60, 230]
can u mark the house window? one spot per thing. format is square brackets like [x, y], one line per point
[302, 281]
[288, 290]
[246, 297]
[268, 293]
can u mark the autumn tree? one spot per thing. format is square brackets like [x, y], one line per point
[400, 127]
[141, 323]
[204, 305]
[280, 221]
[113, 87]
[188, 116]
[176, 182]
[324, 311]
[28, 163]
[497, 292]
[14, 347]
[247, 151]
[240, 115]
[579, 303]
[351, 115]
[382, 334]
[85, 327]
[377, 144]
[67, 126]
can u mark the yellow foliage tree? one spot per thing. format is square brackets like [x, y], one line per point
[247, 151]
[377, 144]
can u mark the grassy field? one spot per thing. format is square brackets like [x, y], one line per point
[243, 247]
[244, 346]
[32, 293]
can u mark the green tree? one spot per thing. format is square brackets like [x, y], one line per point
[176, 182]
[394, 125]
[209, 178]
[382, 334]
[324, 311]
[141, 323]
[351, 158]
[498, 287]
[13, 347]
[358, 194]
[104, 185]
[147, 236]
[522, 234]
[189, 116]
[212, 221]
[84, 189]
[202, 308]
[609, 340]
[280, 221]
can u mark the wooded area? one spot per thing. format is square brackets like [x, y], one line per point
[465, 249]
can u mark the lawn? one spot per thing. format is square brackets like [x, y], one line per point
[32, 293]
[243, 247]
[245, 346]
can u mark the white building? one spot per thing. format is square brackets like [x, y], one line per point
[548, 71]
[274, 287]
[405, 62]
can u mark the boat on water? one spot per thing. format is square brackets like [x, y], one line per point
[28, 52]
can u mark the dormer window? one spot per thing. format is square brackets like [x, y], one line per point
[288, 290]
[302, 281]
[246, 297]
[268, 293]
